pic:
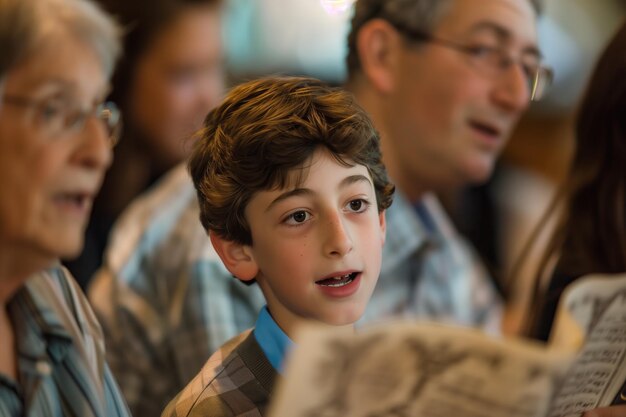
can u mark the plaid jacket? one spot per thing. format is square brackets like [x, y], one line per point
[236, 381]
[431, 272]
[164, 299]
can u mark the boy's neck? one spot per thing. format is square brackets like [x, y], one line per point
[291, 329]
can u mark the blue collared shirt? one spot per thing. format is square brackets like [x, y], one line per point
[273, 341]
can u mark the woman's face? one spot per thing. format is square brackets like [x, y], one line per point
[177, 80]
[50, 171]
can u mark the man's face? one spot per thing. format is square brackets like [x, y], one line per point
[447, 119]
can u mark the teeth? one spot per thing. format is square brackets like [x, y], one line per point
[340, 280]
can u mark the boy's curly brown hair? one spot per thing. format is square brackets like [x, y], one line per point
[263, 131]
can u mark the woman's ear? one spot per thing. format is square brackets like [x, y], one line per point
[236, 257]
[377, 45]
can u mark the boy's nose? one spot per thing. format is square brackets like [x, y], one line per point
[338, 241]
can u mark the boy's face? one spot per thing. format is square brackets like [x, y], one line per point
[318, 247]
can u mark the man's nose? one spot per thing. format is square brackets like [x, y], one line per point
[512, 89]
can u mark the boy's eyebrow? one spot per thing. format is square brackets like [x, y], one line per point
[306, 191]
[352, 179]
[289, 194]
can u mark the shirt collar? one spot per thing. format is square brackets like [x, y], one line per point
[426, 218]
[406, 233]
[39, 329]
[272, 340]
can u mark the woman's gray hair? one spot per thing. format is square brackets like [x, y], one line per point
[421, 15]
[26, 25]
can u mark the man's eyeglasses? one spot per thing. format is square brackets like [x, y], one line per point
[493, 60]
[60, 116]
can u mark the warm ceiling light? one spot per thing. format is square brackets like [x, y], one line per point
[336, 6]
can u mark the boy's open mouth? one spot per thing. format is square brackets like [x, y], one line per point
[338, 281]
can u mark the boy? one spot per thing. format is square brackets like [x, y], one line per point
[292, 193]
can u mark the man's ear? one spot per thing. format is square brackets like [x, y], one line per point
[236, 257]
[383, 226]
[378, 45]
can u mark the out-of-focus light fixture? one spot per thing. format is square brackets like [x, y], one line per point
[335, 7]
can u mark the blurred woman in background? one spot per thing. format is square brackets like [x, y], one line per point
[168, 79]
[590, 233]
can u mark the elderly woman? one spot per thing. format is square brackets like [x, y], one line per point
[55, 144]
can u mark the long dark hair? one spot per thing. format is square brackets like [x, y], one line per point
[142, 21]
[590, 234]
[135, 166]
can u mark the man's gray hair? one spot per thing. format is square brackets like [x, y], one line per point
[26, 25]
[422, 15]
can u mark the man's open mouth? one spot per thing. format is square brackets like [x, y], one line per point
[485, 128]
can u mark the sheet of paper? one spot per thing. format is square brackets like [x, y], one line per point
[594, 312]
[416, 369]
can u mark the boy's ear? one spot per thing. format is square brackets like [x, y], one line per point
[236, 257]
[383, 226]
[377, 45]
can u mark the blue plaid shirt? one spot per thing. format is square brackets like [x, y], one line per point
[164, 298]
[166, 302]
[61, 367]
[430, 272]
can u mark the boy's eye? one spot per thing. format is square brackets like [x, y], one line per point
[297, 217]
[358, 205]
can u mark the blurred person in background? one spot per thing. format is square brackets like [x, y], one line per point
[445, 82]
[168, 79]
[170, 76]
[56, 134]
[589, 236]
[590, 233]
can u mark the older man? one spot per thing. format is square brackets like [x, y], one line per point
[445, 82]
